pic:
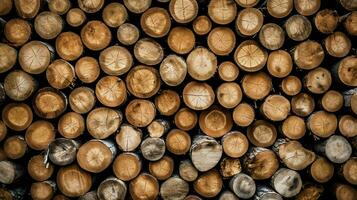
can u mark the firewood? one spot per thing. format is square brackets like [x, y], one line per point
[261, 163]
[111, 91]
[163, 168]
[298, 27]
[228, 195]
[183, 11]
[235, 144]
[250, 56]
[15, 147]
[198, 96]
[221, 41]
[208, 184]
[181, 40]
[148, 51]
[153, 148]
[307, 8]
[202, 25]
[201, 64]
[167, 102]
[178, 142]
[174, 188]
[3, 131]
[87, 69]
[215, 122]
[262, 133]
[279, 8]
[347, 126]
[8, 56]
[137, 6]
[82, 100]
[256, 85]
[17, 116]
[249, 21]
[332, 101]
[275, 107]
[302, 104]
[38, 169]
[40, 134]
[173, 70]
[72, 181]
[230, 167]
[35, 56]
[158, 128]
[91, 195]
[243, 115]
[114, 14]
[58, 6]
[287, 182]
[243, 186]
[322, 123]
[27, 9]
[321, 170]
[228, 71]
[48, 25]
[229, 94]
[128, 138]
[293, 127]
[43, 190]
[60, 74]
[291, 85]
[90, 6]
[265, 192]
[10, 172]
[215, 8]
[96, 35]
[279, 63]
[19, 85]
[336, 148]
[140, 112]
[5, 7]
[112, 189]
[343, 191]
[128, 34]
[75, 17]
[185, 119]
[344, 70]
[187, 171]
[349, 171]
[127, 166]
[349, 23]
[143, 187]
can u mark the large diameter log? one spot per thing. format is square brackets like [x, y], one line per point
[153, 148]
[5, 7]
[60, 74]
[35, 56]
[10, 172]
[205, 153]
[162, 169]
[302, 104]
[75, 17]
[178, 142]
[112, 189]
[208, 184]
[243, 186]
[279, 63]
[215, 122]
[201, 64]
[82, 100]
[71, 125]
[185, 119]
[279, 8]
[111, 91]
[266, 193]
[69, 46]
[202, 25]
[102, 122]
[350, 20]
[181, 40]
[336, 148]
[128, 34]
[128, 137]
[96, 35]
[198, 96]
[275, 107]
[338, 44]
[229, 167]
[347, 126]
[62, 151]
[187, 171]
[137, 6]
[287, 182]
[114, 14]
[322, 123]
[173, 70]
[308, 55]
[250, 56]
[291, 85]
[38, 169]
[345, 70]
[19, 85]
[262, 133]
[243, 115]
[59, 7]
[321, 170]
[87, 69]
[183, 11]
[158, 128]
[40, 134]
[215, 8]
[257, 85]
[115, 60]
[293, 127]
[174, 188]
[155, 22]
[8, 57]
[298, 27]
[43, 190]
[48, 25]
[260, 163]
[140, 112]
[326, 20]
[249, 21]
[15, 147]
[221, 41]
[345, 192]
[167, 102]
[307, 8]
[235, 144]
[127, 166]
[72, 181]
[148, 51]
[144, 187]
[17, 116]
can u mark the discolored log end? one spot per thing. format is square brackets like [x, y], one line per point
[262, 133]
[82, 100]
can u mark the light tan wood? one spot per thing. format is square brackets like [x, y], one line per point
[198, 96]
[96, 35]
[148, 51]
[243, 186]
[178, 142]
[5, 7]
[137, 6]
[183, 11]
[261, 163]
[75, 17]
[140, 112]
[114, 14]
[249, 21]
[155, 22]
[345, 70]
[322, 123]
[44, 190]
[202, 25]
[221, 41]
[308, 55]
[19, 85]
[162, 169]
[291, 85]
[174, 188]
[332, 101]
[321, 170]
[60, 74]
[307, 8]
[208, 184]
[15, 147]
[298, 27]
[215, 121]
[40, 134]
[235, 144]
[262, 133]
[90, 6]
[347, 126]
[187, 171]
[243, 115]
[167, 102]
[71, 125]
[349, 171]
[111, 91]
[345, 192]
[102, 122]
[59, 7]
[82, 100]
[158, 128]
[256, 85]
[17, 116]
[128, 34]
[249, 56]
[229, 94]
[279, 8]
[201, 64]
[8, 57]
[185, 119]
[230, 167]
[272, 36]
[144, 187]
[72, 181]
[38, 169]
[3, 131]
[115, 60]
[143, 81]
[111, 189]
[152, 149]
[295, 156]
[27, 9]
[349, 23]
[181, 40]
[173, 70]
[338, 44]
[348, 5]
[326, 21]
[275, 107]
[222, 11]
[30, 59]
[48, 25]
[279, 63]
[302, 104]
[228, 71]
[87, 69]
[128, 137]
[69, 46]
[294, 127]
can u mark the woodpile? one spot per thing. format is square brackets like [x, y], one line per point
[178, 99]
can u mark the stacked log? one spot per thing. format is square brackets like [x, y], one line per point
[178, 99]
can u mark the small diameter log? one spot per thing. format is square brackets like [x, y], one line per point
[250, 56]
[178, 142]
[5, 7]
[349, 23]
[261, 163]
[249, 21]
[235, 144]
[307, 8]
[72, 181]
[215, 122]
[128, 137]
[326, 21]
[279, 63]
[49, 103]
[75, 17]
[87, 69]
[17, 31]
[208, 184]
[322, 123]
[345, 70]
[10, 172]
[17, 116]
[302, 104]
[266, 193]
[96, 155]
[293, 127]
[167, 102]
[82, 100]
[27, 9]
[291, 85]
[243, 115]
[3, 131]
[202, 25]
[96, 35]
[349, 171]
[127, 166]
[185, 119]
[8, 57]
[181, 40]
[275, 107]
[38, 169]
[158, 128]
[40, 134]
[15, 192]
[112, 189]
[114, 14]
[262, 133]
[19, 85]
[205, 153]
[15, 147]
[144, 187]
[348, 5]
[345, 192]
[102, 122]
[183, 11]
[111, 91]
[298, 27]
[247, 3]
[173, 70]
[279, 8]
[115, 60]
[221, 40]
[287, 182]
[43, 190]
[90, 6]
[35, 56]
[128, 34]
[59, 7]
[336, 148]
[153, 148]
[91, 195]
[230, 167]
[192, 197]
[272, 36]
[242, 185]
[222, 11]
[187, 171]
[227, 195]
[198, 96]
[308, 55]
[163, 168]
[174, 188]
[256, 85]
[48, 25]
[60, 74]
[201, 64]
[229, 94]
[155, 22]
[62, 197]
[347, 126]
[332, 101]
[69, 46]
[228, 71]
[62, 151]
[148, 51]
[338, 44]
[137, 6]
[350, 99]
[321, 170]
[140, 112]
